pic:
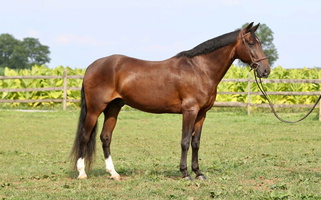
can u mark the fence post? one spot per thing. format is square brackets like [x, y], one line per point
[249, 94]
[64, 100]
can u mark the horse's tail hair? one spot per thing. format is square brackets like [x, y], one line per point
[89, 150]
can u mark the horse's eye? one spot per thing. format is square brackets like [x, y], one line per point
[251, 44]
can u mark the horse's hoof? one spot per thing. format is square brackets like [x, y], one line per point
[83, 177]
[115, 177]
[201, 177]
[188, 178]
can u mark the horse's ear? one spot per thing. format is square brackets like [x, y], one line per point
[248, 27]
[254, 28]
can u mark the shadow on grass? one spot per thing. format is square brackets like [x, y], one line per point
[91, 173]
[129, 172]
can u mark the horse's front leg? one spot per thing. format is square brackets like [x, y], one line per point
[196, 137]
[189, 117]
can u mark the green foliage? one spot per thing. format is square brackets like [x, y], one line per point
[17, 54]
[40, 83]
[233, 73]
[1, 71]
[276, 73]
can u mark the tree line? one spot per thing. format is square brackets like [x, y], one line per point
[22, 54]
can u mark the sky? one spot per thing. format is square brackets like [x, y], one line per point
[81, 31]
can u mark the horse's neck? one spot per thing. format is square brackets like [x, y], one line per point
[219, 61]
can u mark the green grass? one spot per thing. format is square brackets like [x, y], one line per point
[243, 157]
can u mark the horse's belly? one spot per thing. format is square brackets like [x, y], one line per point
[151, 93]
[154, 103]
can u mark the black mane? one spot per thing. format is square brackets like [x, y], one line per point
[211, 45]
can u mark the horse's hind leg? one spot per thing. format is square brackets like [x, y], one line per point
[86, 142]
[111, 113]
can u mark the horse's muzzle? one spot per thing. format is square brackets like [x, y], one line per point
[263, 72]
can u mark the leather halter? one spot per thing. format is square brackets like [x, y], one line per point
[254, 62]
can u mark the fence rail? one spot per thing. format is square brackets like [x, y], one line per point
[248, 104]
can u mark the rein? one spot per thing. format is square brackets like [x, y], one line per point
[260, 86]
[254, 66]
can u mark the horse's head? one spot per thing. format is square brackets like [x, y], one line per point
[249, 50]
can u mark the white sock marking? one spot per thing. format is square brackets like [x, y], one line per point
[110, 167]
[81, 168]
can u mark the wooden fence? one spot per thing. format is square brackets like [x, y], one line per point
[249, 93]
[64, 88]
[248, 104]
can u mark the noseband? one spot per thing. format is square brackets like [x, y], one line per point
[254, 62]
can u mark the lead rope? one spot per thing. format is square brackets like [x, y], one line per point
[260, 85]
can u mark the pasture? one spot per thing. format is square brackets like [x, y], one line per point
[243, 157]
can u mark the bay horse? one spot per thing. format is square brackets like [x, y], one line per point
[184, 84]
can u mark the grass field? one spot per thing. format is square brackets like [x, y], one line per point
[243, 157]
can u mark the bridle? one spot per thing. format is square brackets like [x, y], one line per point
[254, 66]
[254, 62]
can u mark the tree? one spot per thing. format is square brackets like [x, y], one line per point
[17, 54]
[265, 35]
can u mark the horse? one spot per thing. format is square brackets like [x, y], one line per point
[184, 84]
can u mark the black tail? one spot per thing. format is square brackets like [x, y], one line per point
[79, 150]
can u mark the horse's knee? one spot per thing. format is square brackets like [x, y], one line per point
[195, 144]
[185, 145]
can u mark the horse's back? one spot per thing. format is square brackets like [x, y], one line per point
[104, 63]
[105, 69]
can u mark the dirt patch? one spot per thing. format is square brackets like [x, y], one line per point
[261, 183]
